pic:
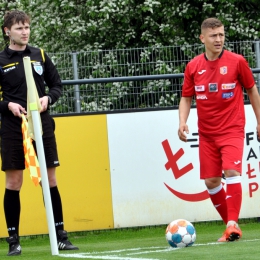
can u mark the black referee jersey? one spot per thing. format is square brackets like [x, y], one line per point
[12, 76]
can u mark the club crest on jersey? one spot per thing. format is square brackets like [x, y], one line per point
[223, 70]
[38, 68]
[213, 87]
[200, 88]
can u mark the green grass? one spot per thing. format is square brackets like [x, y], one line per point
[146, 243]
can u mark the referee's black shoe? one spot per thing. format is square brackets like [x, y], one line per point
[63, 242]
[14, 245]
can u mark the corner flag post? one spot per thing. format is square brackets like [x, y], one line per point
[33, 107]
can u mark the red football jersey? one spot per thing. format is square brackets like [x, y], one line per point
[218, 88]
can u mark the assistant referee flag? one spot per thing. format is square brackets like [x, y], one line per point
[31, 160]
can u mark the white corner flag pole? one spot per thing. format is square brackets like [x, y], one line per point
[31, 88]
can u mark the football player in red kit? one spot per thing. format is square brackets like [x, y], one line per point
[216, 79]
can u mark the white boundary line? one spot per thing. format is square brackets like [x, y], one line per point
[135, 251]
[104, 257]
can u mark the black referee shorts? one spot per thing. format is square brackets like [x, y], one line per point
[12, 151]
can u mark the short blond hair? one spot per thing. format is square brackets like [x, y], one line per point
[211, 23]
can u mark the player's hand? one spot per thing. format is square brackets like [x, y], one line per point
[183, 130]
[16, 109]
[44, 103]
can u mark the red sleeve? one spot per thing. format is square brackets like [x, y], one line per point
[245, 74]
[188, 87]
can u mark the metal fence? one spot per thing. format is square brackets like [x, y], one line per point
[123, 79]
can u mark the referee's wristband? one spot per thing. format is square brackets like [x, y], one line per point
[49, 99]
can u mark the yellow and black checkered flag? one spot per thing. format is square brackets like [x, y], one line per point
[31, 160]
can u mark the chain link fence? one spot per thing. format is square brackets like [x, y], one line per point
[121, 79]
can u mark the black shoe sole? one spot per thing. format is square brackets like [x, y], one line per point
[233, 237]
[13, 254]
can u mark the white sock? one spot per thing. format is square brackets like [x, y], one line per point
[232, 222]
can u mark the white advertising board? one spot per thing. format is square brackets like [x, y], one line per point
[155, 176]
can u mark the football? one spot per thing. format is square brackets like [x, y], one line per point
[180, 233]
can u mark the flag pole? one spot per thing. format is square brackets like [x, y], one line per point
[32, 101]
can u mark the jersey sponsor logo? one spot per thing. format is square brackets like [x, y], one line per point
[213, 87]
[223, 70]
[227, 95]
[38, 68]
[201, 97]
[9, 69]
[200, 88]
[201, 72]
[228, 86]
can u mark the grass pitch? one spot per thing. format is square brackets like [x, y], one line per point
[146, 243]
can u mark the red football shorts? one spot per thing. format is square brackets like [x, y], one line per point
[221, 154]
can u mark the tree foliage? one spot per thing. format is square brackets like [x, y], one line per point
[67, 25]
[109, 33]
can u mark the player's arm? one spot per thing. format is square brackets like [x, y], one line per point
[184, 111]
[255, 102]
